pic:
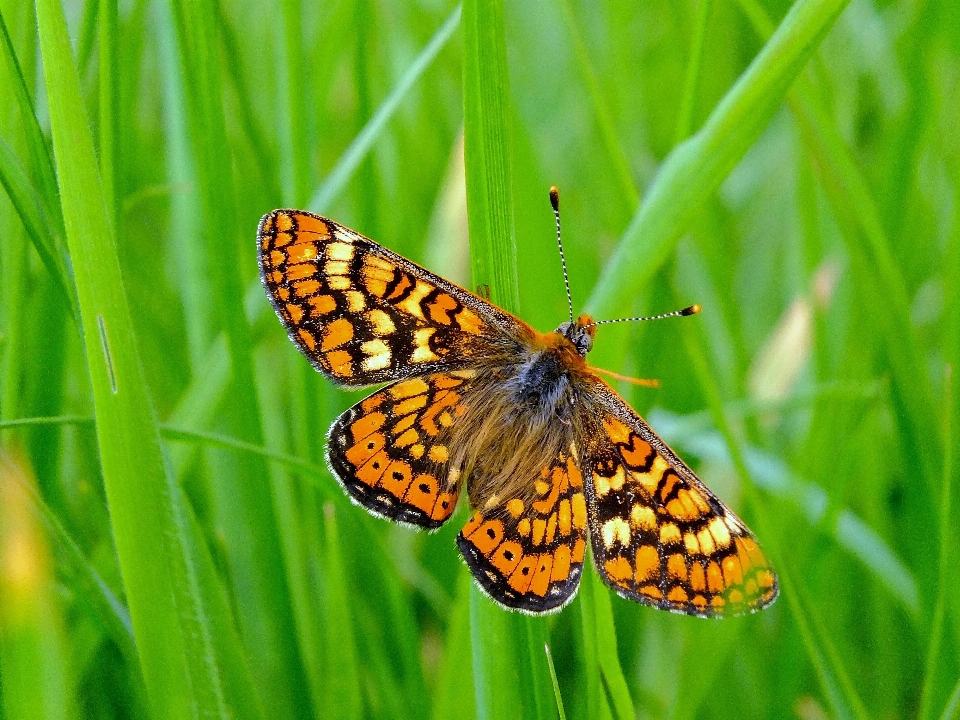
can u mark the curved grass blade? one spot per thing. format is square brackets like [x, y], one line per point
[695, 169]
[350, 160]
[33, 657]
[181, 631]
[40, 226]
[556, 685]
[822, 653]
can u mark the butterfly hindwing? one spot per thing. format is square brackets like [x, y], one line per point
[391, 451]
[362, 314]
[529, 557]
[659, 536]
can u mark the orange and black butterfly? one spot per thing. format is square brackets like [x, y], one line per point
[549, 454]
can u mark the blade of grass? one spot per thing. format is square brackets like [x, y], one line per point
[601, 110]
[453, 696]
[33, 660]
[241, 494]
[342, 671]
[822, 653]
[185, 215]
[294, 142]
[262, 148]
[863, 230]
[40, 226]
[694, 67]
[96, 593]
[607, 653]
[936, 625]
[107, 26]
[595, 698]
[293, 535]
[695, 169]
[502, 662]
[556, 685]
[39, 152]
[178, 632]
[350, 160]
[950, 709]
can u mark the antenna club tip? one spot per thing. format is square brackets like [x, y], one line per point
[692, 310]
[555, 197]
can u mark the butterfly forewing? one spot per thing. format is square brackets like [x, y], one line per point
[362, 314]
[659, 536]
[529, 556]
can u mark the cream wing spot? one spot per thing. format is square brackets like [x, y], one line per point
[616, 530]
[421, 351]
[380, 322]
[378, 355]
[339, 251]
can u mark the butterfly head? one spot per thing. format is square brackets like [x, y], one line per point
[580, 333]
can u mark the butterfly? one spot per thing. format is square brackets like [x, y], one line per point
[550, 456]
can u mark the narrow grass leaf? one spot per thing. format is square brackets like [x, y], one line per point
[936, 624]
[33, 660]
[556, 685]
[40, 226]
[695, 169]
[821, 651]
[343, 700]
[350, 160]
[40, 160]
[241, 494]
[510, 674]
[176, 634]
[607, 654]
[107, 25]
[601, 109]
[595, 699]
[691, 81]
[453, 696]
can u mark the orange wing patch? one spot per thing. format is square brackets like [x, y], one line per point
[660, 536]
[390, 451]
[529, 557]
[360, 313]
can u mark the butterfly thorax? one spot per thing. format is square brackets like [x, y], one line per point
[579, 333]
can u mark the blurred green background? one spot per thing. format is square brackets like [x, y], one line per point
[171, 544]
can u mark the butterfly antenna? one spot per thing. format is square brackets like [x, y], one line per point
[555, 202]
[692, 310]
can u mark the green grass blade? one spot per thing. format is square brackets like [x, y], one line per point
[556, 685]
[40, 226]
[343, 700]
[40, 159]
[510, 674]
[950, 709]
[294, 145]
[936, 625]
[695, 169]
[496, 659]
[601, 110]
[351, 158]
[822, 654]
[694, 67]
[107, 26]
[241, 493]
[607, 654]
[486, 93]
[107, 606]
[33, 663]
[595, 699]
[453, 696]
[176, 631]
